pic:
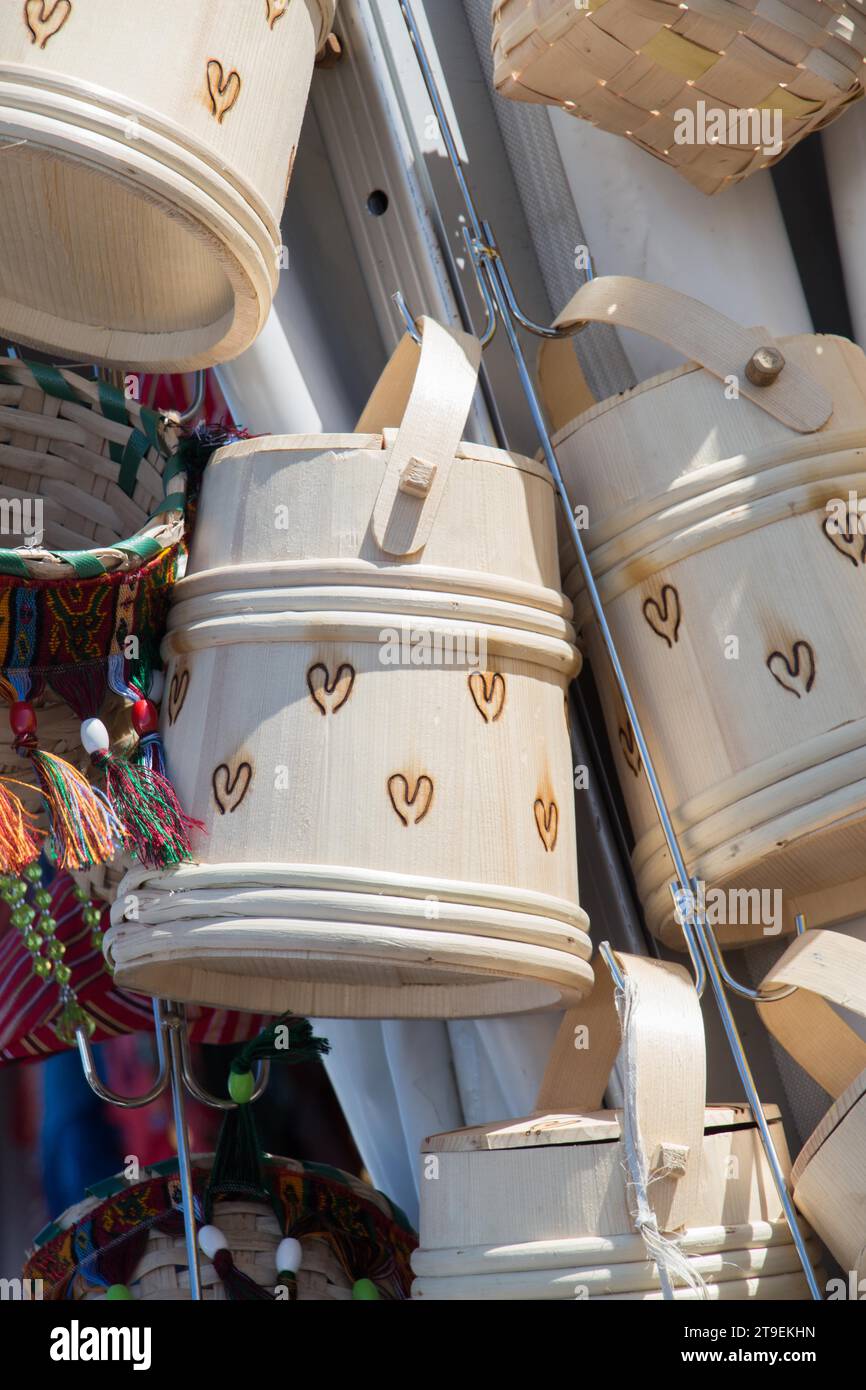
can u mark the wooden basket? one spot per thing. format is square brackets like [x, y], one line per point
[541, 1207]
[66, 1254]
[145, 164]
[108, 479]
[642, 68]
[735, 606]
[827, 969]
[382, 838]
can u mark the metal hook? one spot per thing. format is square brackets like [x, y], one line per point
[407, 317]
[690, 910]
[196, 1090]
[606, 952]
[481, 277]
[85, 1052]
[490, 251]
[185, 417]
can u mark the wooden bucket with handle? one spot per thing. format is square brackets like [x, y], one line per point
[146, 155]
[541, 1207]
[828, 970]
[366, 707]
[731, 563]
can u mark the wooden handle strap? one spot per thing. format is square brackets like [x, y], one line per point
[670, 1067]
[427, 393]
[827, 968]
[702, 335]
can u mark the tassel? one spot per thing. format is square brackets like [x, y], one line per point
[288, 1039]
[239, 1286]
[84, 828]
[19, 844]
[147, 807]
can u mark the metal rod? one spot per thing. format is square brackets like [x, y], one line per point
[698, 935]
[174, 1026]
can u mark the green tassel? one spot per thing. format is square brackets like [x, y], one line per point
[288, 1039]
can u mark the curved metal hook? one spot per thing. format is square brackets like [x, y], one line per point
[490, 251]
[194, 1086]
[481, 276]
[186, 417]
[409, 321]
[691, 914]
[85, 1052]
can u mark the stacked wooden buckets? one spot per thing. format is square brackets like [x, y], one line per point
[365, 705]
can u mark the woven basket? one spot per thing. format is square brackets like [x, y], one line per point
[632, 66]
[359, 1216]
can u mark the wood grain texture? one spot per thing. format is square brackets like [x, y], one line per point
[143, 174]
[535, 1208]
[406, 843]
[754, 704]
[828, 970]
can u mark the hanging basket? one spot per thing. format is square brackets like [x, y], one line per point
[144, 164]
[546, 1207]
[131, 1235]
[657, 72]
[93, 499]
[367, 711]
[731, 564]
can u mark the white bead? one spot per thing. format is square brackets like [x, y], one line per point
[210, 1240]
[289, 1255]
[94, 736]
[157, 686]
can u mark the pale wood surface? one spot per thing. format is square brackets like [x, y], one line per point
[697, 504]
[418, 819]
[162, 146]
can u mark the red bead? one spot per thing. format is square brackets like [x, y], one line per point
[22, 719]
[145, 717]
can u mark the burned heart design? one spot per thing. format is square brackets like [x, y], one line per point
[488, 692]
[664, 616]
[45, 18]
[229, 790]
[330, 695]
[224, 91]
[629, 747]
[800, 669]
[276, 9]
[850, 543]
[410, 807]
[547, 823]
[177, 688]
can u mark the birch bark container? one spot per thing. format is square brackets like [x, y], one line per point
[736, 598]
[540, 1208]
[146, 153]
[827, 971]
[365, 705]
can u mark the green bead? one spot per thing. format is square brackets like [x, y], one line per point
[366, 1290]
[55, 950]
[97, 939]
[20, 918]
[43, 968]
[62, 974]
[80, 894]
[118, 1292]
[33, 873]
[42, 898]
[241, 1086]
[47, 925]
[33, 941]
[92, 916]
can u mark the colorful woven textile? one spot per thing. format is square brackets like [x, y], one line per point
[102, 1240]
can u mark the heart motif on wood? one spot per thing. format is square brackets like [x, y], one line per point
[177, 688]
[412, 806]
[276, 9]
[224, 91]
[329, 694]
[796, 674]
[849, 543]
[629, 747]
[45, 18]
[664, 616]
[230, 789]
[547, 823]
[488, 692]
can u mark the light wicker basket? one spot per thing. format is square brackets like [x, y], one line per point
[631, 66]
[355, 1213]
